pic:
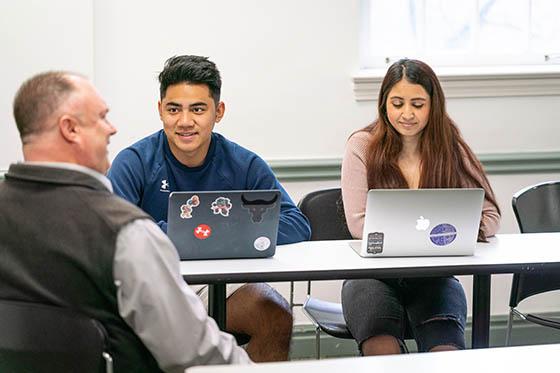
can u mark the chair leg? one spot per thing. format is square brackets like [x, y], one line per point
[318, 343]
[291, 295]
[404, 348]
[108, 362]
[509, 326]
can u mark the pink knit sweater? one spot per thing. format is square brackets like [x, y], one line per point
[355, 187]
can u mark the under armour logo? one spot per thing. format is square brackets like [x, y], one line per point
[202, 232]
[164, 184]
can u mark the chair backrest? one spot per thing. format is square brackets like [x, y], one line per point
[537, 209]
[325, 212]
[41, 338]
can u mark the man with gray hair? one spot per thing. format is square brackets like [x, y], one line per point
[66, 240]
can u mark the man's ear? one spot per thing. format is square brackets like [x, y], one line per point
[160, 108]
[220, 111]
[68, 127]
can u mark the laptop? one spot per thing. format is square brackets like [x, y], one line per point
[224, 224]
[420, 222]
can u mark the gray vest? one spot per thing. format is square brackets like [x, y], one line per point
[58, 230]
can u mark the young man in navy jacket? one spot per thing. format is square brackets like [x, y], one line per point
[186, 156]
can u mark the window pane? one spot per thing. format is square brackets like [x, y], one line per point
[503, 26]
[394, 27]
[545, 26]
[448, 26]
[463, 32]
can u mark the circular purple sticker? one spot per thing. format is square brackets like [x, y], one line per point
[443, 234]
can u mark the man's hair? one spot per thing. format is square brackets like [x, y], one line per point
[191, 70]
[38, 98]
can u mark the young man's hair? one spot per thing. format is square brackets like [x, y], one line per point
[37, 99]
[191, 70]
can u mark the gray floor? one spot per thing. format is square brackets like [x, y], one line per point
[524, 333]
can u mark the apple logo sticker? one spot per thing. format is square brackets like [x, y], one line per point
[422, 223]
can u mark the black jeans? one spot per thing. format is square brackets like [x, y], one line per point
[434, 309]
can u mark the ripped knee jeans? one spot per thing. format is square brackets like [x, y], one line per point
[433, 311]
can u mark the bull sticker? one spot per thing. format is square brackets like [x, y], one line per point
[187, 208]
[221, 206]
[258, 207]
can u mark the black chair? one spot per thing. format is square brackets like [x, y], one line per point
[537, 209]
[41, 338]
[316, 206]
[324, 210]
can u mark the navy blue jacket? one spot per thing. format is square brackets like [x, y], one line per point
[146, 172]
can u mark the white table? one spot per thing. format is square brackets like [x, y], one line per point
[332, 260]
[526, 359]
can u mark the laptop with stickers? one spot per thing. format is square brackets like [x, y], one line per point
[420, 222]
[224, 224]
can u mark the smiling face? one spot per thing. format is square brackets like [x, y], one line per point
[408, 109]
[189, 113]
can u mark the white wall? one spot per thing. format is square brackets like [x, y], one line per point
[286, 69]
[35, 36]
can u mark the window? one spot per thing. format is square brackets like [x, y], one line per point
[461, 32]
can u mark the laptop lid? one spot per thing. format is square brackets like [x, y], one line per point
[421, 222]
[224, 224]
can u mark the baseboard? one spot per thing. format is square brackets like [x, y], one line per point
[524, 333]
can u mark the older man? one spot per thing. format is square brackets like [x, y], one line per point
[66, 240]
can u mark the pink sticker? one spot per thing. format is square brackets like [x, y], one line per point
[187, 208]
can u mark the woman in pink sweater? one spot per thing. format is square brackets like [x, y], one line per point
[413, 144]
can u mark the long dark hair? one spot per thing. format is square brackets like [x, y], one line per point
[446, 161]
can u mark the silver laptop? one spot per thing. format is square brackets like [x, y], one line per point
[420, 222]
[224, 224]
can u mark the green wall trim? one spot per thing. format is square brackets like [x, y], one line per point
[521, 163]
[307, 169]
[523, 333]
[494, 163]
